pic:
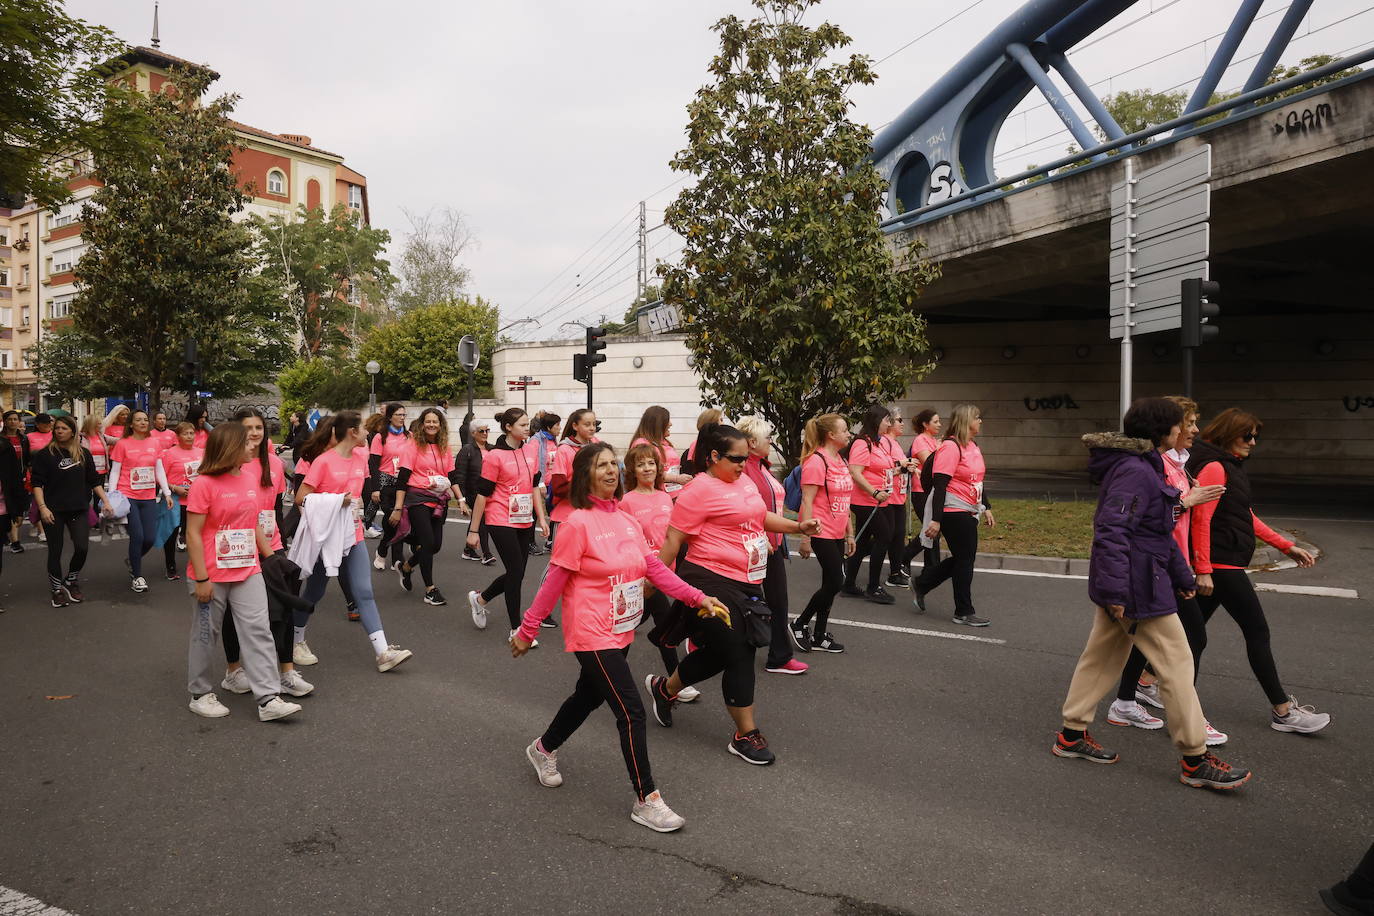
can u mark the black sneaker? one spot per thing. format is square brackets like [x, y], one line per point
[471, 554]
[488, 560]
[404, 574]
[898, 580]
[851, 590]
[548, 623]
[824, 642]
[74, 591]
[662, 704]
[752, 747]
[435, 597]
[970, 620]
[536, 550]
[60, 598]
[1212, 773]
[918, 598]
[1342, 899]
[880, 595]
[1084, 747]
[173, 575]
[351, 611]
[16, 547]
[801, 637]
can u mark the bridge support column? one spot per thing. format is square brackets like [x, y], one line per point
[1277, 45]
[1222, 57]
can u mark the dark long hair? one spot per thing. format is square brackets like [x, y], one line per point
[320, 440]
[580, 487]
[871, 425]
[243, 413]
[387, 414]
[224, 450]
[570, 427]
[653, 426]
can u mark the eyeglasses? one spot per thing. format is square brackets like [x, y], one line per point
[736, 459]
[1251, 437]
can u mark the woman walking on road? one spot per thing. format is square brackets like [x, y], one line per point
[724, 524]
[138, 473]
[654, 427]
[827, 487]
[580, 430]
[64, 480]
[505, 498]
[1223, 535]
[181, 464]
[383, 464]
[426, 480]
[11, 489]
[600, 564]
[17, 498]
[927, 426]
[873, 468]
[955, 504]
[469, 465]
[902, 467]
[1135, 578]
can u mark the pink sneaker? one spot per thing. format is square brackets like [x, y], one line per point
[791, 667]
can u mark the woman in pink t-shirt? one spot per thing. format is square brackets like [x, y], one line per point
[725, 525]
[181, 464]
[223, 544]
[136, 472]
[506, 499]
[341, 469]
[953, 508]
[902, 466]
[577, 432]
[927, 426]
[872, 466]
[426, 481]
[654, 427]
[827, 487]
[383, 464]
[600, 564]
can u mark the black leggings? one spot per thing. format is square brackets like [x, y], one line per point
[718, 648]
[873, 544]
[896, 545]
[775, 593]
[426, 539]
[960, 530]
[77, 523]
[513, 547]
[484, 538]
[830, 555]
[281, 638]
[606, 678]
[388, 500]
[1233, 590]
[657, 607]
[1194, 627]
[931, 558]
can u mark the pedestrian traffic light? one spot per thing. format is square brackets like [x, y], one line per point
[1199, 311]
[190, 365]
[595, 343]
[580, 367]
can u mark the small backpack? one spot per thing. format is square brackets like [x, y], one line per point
[928, 466]
[792, 490]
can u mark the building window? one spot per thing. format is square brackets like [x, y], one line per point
[4, 236]
[4, 277]
[6, 360]
[61, 306]
[24, 316]
[24, 360]
[24, 275]
[355, 197]
[276, 182]
[7, 317]
[64, 217]
[355, 294]
[64, 261]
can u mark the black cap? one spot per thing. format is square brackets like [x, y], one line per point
[43, 418]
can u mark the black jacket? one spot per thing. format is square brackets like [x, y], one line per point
[66, 484]
[1233, 524]
[12, 479]
[469, 468]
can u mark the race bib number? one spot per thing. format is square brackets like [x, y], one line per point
[396, 466]
[142, 478]
[756, 556]
[521, 508]
[267, 521]
[439, 483]
[192, 469]
[978, 493]
[235, 548]
[100, 463]
[355, 509]
[672, 471]
[627, 605]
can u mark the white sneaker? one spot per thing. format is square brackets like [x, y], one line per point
[687, 694]
[1149, 694]
[545, 765]
[373, 532]
[392, 657]
[209, 706]
[655, 814]
[294, 684]
[378, 562]
[181, 544]
[1129, 712]
[236, 681]
[277, 708]
[534, 644]
[479, 611]
[1301, 719]
[138, 584]
[1214, 737]
[301, 655]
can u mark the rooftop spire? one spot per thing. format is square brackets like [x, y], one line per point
[157, 42]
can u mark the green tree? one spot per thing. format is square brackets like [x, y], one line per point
[793, 302]
[334, 382]
[66, 367]
[652, 293]
[418, 351]
[57, 102]
[165, 260]
[318, 260]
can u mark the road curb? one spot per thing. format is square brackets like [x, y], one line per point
[1266, 559]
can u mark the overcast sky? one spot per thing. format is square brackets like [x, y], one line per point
[547, 121]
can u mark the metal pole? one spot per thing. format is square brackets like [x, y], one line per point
[526, 386]
[1127, 356]
[589, 387]
[470, 392]
[1187, 372]
[372, 397]
[1022, 55]
[643, 257]
[1283, 34]
[1224, 54]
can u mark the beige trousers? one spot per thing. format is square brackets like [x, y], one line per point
[1163, 643]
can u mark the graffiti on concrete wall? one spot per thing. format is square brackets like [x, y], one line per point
[1354, 402]
[1298, 123]
[1054, 402]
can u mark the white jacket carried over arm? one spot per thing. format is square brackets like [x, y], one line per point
[326, 531]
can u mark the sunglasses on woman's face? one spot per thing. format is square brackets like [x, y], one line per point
[736, 459]
[1251, 437]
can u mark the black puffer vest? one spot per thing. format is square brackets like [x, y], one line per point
[1233, 527]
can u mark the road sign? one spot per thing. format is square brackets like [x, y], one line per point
[524, 381]
[468, 353]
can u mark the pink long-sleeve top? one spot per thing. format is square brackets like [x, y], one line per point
[600, 562]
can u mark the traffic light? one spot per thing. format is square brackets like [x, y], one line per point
[580, 372]
[190, 365]
[595, 343]
[1199, 311]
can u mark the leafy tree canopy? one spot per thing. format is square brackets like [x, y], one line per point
[418, 351]
[337, 383]
[793, 302]
[429, 266]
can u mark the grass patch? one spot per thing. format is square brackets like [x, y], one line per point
[1038, 528]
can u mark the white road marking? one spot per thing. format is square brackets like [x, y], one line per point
[1319, 591]
[13, 903]
[915, 632]
[1025, 572]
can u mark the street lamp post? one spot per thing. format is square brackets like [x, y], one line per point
[373, 367]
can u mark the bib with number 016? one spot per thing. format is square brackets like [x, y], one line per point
[756, 556]
[235, 548]
[627, 605]
[521, 508]
[267, 521]
[142, 478]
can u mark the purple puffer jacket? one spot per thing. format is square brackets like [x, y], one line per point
[1135, 561]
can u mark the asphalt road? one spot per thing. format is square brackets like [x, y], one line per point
[914, 772]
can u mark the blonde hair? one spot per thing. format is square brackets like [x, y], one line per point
[709, 416]
[960, 423]
[90, 426]
[755, 427]
[817, 428]
[1190, 407]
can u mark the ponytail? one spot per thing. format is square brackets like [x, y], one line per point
[817, 428]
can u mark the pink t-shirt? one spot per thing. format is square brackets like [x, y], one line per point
[168, 438]
[137, 466]
[561, 466]
[38, 441]
[229, 503]
[429, 468]
[511, 504]
[267, 515]
[877, 470]
[389, 451]
[333, 473]
[899, 480]
[652, 510]
[925, 442]
[604, 598]
[724, 525]
[834, 488]
[966, 471]
[99, 454]
[182, 466]
[115, 432]
[667, 455]
[200, 440]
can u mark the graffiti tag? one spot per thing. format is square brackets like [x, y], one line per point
[1354, 402]
[1300, 122]
[1055, 402]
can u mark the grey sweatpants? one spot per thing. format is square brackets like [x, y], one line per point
[247, 601]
